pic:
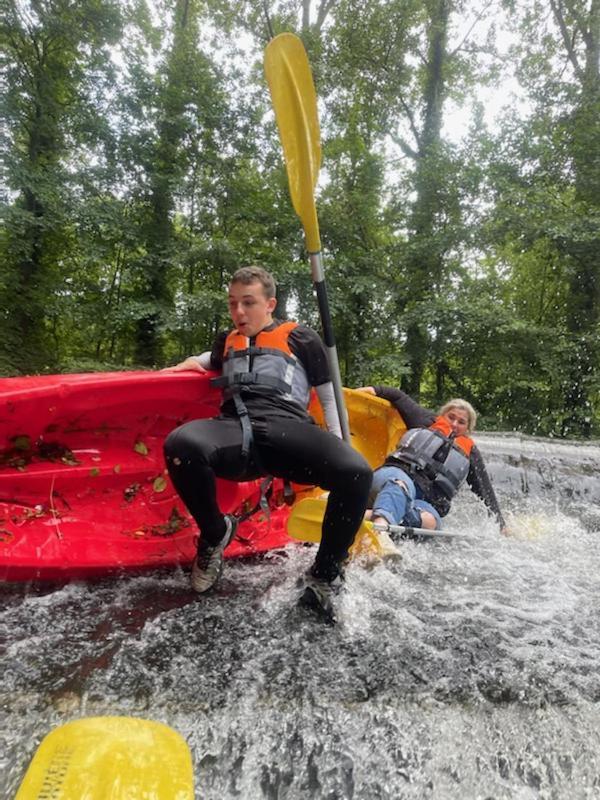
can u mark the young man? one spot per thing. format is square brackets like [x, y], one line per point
[268, 368]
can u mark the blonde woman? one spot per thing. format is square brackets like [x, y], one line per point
[416, 483]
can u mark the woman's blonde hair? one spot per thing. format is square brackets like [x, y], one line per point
[463, 405]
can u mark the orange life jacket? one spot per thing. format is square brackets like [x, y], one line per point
[264, 364]
[464, 442]
[436, 454]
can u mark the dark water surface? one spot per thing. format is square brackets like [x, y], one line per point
[468, 670]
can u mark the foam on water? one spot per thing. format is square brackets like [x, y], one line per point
[467, 670]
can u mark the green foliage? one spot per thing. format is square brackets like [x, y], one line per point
[142, 167]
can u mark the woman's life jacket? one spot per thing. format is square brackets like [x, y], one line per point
[263, 365]
[436, 453]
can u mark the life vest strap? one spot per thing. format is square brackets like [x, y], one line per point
[434, 455]
[260, 351]
[239, 379]
[242, 412]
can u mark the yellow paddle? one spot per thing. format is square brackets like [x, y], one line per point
[110, 757]
[306, 519]
[295, 104]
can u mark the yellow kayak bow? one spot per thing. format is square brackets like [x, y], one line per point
[110, 758]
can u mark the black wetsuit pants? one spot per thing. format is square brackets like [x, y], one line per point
[199, 451]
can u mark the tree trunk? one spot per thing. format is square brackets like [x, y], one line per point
[583, 307]
[425, 261]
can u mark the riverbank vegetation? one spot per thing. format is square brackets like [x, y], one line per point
[459, 199]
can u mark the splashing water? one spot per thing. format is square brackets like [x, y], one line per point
[467, 670]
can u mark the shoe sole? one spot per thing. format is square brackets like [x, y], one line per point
[208, 588]
[217, 578]
[309, 600]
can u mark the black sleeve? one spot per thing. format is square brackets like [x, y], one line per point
[218, 350]
[414, 415]
[308, 347]
[479, 481]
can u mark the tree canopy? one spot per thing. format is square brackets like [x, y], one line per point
[459, 199]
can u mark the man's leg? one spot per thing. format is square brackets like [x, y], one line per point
[304, 453]
[195, 454]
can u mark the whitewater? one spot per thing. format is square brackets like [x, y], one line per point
[469, 669]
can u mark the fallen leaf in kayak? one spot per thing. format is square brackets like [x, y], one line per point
[131, 491]
[70, 460]
[175, 523]
[159, 484]
[140, 448]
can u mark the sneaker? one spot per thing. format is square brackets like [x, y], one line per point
[385, 535]
[318, 595]
[208, 564]
[387, 546]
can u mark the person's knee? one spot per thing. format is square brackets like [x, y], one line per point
[181, 446]
[172, 447]
[428, 521]
[363, 476]
[395, 486]
[355, 476]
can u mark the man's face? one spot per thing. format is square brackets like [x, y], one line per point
[249, 308]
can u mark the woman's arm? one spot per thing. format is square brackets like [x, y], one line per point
[414, 415]
[480, 483]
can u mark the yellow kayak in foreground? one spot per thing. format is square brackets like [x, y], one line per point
[110, 758]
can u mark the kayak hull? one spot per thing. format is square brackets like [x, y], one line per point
[83, 485]
[84, 491]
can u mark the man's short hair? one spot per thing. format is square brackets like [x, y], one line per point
[253, 274]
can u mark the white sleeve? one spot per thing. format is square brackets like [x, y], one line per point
[326, 397]
[204, 360]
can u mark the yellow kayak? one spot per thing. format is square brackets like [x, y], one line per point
[375, 425]
[375, 429]
[110, 758]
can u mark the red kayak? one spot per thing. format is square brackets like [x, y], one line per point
[83, 485]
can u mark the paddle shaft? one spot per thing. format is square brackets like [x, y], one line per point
[405, 532]
[318, 275]
[306, 520]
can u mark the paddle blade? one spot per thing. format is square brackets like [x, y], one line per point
[306, 519]
[295, 104]
[110, 757]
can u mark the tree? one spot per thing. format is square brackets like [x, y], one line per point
[547, 182]
[579, 27]
[185, 91]
[49, 49]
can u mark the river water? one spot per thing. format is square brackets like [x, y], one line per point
[467, 670]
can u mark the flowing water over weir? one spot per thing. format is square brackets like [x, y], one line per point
[468, 670]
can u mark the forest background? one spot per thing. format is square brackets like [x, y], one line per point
[460, 223]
